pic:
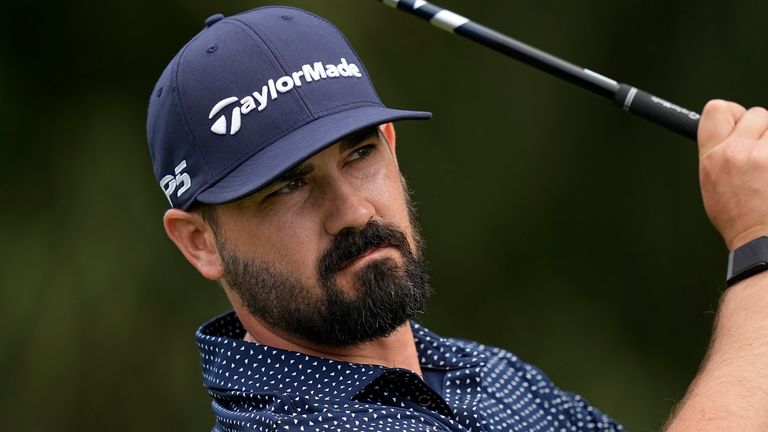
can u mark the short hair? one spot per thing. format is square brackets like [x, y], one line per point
[208, 213]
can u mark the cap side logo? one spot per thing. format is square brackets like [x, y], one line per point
[170, 182]
[259, 99]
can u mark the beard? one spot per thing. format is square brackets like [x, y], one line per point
[385, 293]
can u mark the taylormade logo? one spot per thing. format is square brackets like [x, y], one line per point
[259, 100]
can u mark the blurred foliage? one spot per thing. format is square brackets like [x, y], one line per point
[558, 227]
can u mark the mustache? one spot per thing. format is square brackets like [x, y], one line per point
[350, 244]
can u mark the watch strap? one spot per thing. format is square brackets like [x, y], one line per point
[747, 260]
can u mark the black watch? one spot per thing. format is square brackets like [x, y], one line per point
[747, 260]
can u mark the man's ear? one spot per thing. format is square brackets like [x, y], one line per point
[388, 132]
[195, 240]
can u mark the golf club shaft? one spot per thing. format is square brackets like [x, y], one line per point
[626, 97]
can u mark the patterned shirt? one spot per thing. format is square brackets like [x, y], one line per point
[466, 387]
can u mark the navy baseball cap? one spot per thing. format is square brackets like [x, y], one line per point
[251, 96]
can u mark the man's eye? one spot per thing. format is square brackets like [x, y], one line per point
[289, 187]
[362, 152]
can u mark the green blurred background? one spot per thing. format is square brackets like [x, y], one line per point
[558, 227]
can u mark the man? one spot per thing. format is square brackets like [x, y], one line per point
[279, 161]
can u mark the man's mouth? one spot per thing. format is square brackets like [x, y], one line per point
[366, 256]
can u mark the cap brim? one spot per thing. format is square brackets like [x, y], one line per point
[267, 165]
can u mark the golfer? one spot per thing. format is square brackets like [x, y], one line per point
[279, 163]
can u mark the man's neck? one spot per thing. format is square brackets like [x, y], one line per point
[398, 350]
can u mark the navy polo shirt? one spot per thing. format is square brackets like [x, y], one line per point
[467, 387]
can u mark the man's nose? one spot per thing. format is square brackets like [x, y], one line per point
[347, 207]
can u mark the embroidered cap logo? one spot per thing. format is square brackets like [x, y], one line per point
[273, 89]
[169, 183]
[220, 126]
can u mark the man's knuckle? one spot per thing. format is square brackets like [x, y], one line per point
[758, 112]
[715, 105]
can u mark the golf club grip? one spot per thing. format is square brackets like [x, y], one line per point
[657, 110]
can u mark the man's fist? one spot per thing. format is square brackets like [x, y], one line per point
[733, 170]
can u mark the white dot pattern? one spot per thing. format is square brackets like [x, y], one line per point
[259, 388]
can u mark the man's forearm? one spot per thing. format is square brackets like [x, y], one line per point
[730, 393]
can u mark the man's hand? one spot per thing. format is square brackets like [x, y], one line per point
[730, 392]
[733, 162]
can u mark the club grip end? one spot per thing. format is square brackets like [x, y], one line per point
[657, 110]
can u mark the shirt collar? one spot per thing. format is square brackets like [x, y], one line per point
[233, 367]
[437, 352]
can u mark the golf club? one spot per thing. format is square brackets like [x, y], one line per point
[624, 96]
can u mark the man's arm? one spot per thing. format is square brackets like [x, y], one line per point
[730, 392]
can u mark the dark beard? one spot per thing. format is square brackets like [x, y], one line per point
[385, 295]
